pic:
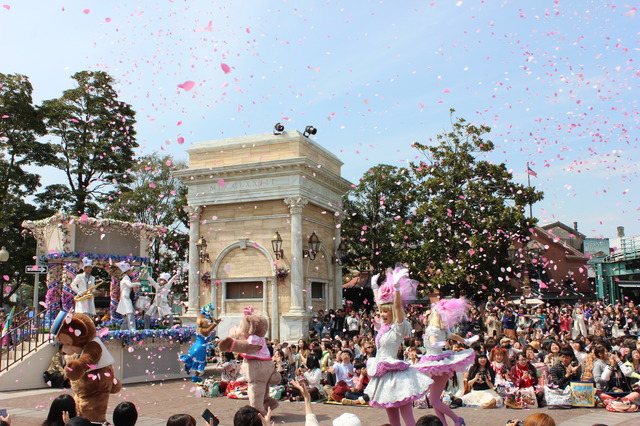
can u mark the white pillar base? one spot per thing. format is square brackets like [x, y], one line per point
[294, 326]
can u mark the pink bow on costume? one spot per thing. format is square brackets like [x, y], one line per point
[248, 310]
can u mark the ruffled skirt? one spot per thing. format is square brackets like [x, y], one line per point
[446, 363]
[395, 384]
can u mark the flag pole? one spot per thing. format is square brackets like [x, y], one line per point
[529, 185]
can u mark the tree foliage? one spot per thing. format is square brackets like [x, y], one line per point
[95, 138]
[468, 212]
[376, 212]
[21, 124]
[153, 196]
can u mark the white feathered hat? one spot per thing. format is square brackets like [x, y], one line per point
[164, 276]
[123, 266]
[86, 262]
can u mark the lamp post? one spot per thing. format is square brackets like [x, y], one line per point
[4, 257]
[201, 245]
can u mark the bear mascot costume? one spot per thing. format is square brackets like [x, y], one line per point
[248, 340]
[91, 372]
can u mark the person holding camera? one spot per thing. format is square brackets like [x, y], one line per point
[480, 379]
[609, 372]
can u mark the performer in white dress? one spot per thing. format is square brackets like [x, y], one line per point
[125, 306]
[160, 307]
[394, 383]
[80, 284]
[441, 364]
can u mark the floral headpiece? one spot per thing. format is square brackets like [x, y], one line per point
[208, 310]
[386, 291]
[451, 311]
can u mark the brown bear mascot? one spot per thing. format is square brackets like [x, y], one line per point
[248, 340]
[91, 372]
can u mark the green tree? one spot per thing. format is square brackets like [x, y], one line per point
[377, 211]
[96, 139]
[21, 124]
[468, 213]
[153, 196]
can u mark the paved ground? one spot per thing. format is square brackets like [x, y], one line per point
[157, 401]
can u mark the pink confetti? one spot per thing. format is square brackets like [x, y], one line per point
[86, 11]
[225, 68]
[152, 185]
[107, 20]
[187, 85]
[7, 278]
[103, 331]
[6, 6]
[180, 140]
[221, 182]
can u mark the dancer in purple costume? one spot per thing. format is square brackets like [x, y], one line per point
[441, 364]
[394, 384]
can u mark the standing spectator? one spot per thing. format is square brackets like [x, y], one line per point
[494, 325]
[352, 325]
[509, 323]
[339, 323]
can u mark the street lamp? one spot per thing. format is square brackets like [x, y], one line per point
[276, 245]
[201, 245]
[341, 252]
[4, 257]
[314, 247]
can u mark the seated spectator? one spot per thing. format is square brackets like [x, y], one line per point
[5, 421]
[567, 370]
[356, 393]
[125, 414]
[633, 361]
[185, 420]
[54, 376]
[553, 354]
[480, 380]
[429, 420]
[228, 370]
[609, 371]
[523, 374]
[62, 409]
[500, 365]
[312, 376]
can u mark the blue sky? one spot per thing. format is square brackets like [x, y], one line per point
[557, 81]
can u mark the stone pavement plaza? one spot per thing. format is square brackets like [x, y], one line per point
[158, 401]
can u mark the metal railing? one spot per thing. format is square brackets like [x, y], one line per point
[25, 338]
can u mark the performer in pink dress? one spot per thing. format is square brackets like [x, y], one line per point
[441, 364]
[394, 383]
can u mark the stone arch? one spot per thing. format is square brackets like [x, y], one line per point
[242, 245]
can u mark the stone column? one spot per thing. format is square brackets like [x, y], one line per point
[194, 260]
[296, 204]
[335, 300]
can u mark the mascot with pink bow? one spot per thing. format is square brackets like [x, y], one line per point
[248, 340]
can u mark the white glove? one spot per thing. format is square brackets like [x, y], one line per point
[397, 274]
[471, 340]
[374, 282]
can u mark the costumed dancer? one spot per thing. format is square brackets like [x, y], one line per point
[197, 358]
[125, 306]
[81, 285]
[160, 307]
[394, 383]
[440, 364]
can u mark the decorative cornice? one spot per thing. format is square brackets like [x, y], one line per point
[286, 167]
[193, 211]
